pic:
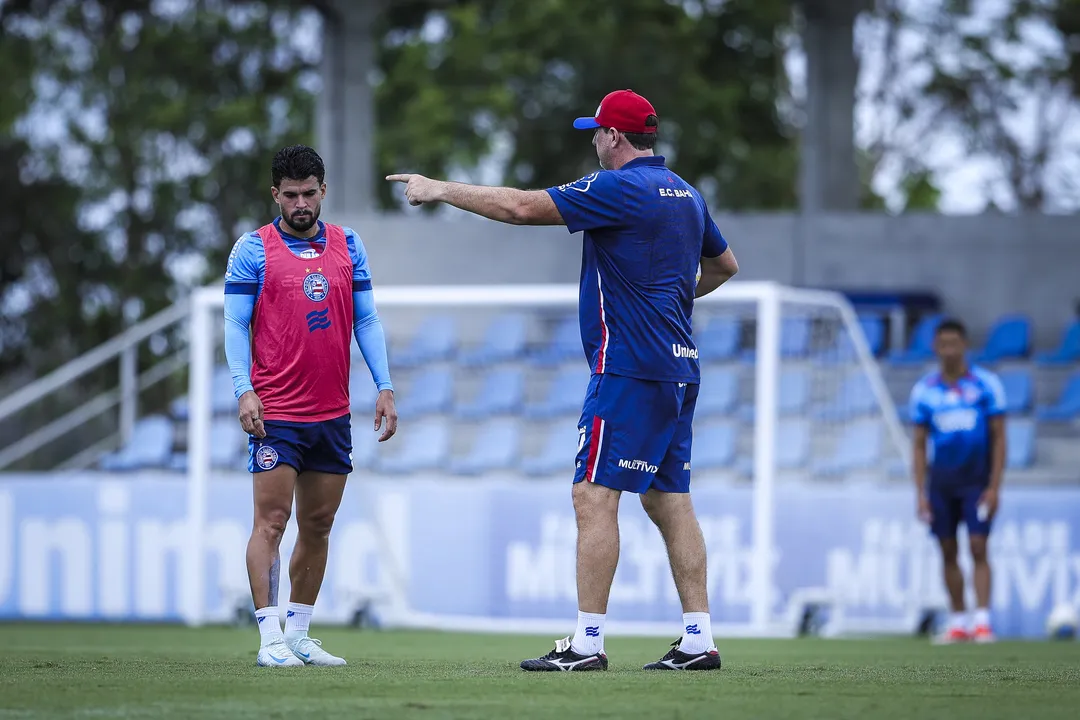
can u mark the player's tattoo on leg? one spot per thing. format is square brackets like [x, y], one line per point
[275, 575]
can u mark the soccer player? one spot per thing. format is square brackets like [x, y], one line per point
[296, 292]
[960, 410]
[645, 232]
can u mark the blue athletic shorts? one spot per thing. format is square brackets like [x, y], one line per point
[636, 434]
[950, 505]
[324, 447]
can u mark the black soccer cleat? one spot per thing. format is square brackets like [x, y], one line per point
[562, 658]
[676, 659]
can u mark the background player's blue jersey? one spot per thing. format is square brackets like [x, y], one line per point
[958, 419]
[645, 230]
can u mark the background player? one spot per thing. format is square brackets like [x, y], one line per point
[961, 411]
[645, 232]
[296, 291]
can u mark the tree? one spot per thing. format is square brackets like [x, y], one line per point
[500, 81]
[984, 86]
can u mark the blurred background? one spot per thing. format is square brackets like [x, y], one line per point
[918, 158]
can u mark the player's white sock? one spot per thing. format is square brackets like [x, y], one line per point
[297, 620]
[982, 617]
[697, 633]
[589, 636]
[269, 624]
[958, 621]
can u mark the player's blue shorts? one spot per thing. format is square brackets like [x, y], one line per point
[324, 447]
[636, 434]
[949, 504]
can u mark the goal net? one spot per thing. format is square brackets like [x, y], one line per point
[464, 521]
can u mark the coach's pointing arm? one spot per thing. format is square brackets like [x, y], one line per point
[508, 205]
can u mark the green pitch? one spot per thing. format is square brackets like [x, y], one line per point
[66, 671]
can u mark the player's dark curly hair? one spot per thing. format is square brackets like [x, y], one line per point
[645, 141]
[951, 325]
[296, 162]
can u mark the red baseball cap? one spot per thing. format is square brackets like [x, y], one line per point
[623, 110]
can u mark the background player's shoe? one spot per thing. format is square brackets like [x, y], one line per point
[676, 659]
[983, 634]
[309, 651]
[277, 654]
[952, 636]
[563, 658]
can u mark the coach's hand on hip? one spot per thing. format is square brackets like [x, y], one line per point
[418, 189]
[385, 408]
[251, 414]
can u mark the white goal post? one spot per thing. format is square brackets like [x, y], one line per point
[765, 304]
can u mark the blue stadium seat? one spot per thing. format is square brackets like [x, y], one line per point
[222, 396]
[504, 340]
[365, 443]
[1018, 391]
[501, 393]
[431, 392]
[857, 448]
[565, 394]
[920, 348]
[794, 394]
[426, 446]
[564, 345]
[843, 349]
[1067, 353]
[792, 447]
[362, 390]
[436, 339]
[1019, 444]
[719, 340]
[557, 454]
[228, 444]
[719, 391]
[495, 447]
[1010, 339]
[1068, 405]
[854, 398]
[794, 339]
[150, 446]
[714, 446]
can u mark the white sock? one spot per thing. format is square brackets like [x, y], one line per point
[269, 624]
[297, 620]
[958, 620]
[589, 636]
[697, 633]
[982, 617]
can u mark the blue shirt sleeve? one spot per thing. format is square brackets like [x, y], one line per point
[917, 408]
[370, 337]
[713, 244]
[238, 311]
[358, 254]
[996, 400]
[246, 268]
[595, 201]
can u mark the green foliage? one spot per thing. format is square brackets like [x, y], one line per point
[462, 77]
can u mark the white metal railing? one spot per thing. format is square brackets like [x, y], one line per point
[123, 347]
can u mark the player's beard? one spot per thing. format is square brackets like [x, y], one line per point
[302, 222]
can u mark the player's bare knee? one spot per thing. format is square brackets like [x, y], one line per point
[978, 548]
[271, 522]
[595, 502]
[949, 551]
[316, 525]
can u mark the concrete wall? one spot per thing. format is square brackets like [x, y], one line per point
[981, 266]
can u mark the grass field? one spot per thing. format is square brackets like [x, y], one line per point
[77, 671]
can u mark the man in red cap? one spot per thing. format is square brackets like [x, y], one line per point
[645, 233]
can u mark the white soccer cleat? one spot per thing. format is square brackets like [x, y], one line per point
[277, 654]
[309, 651]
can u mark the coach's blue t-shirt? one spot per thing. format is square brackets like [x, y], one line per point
[958, 418]
[645, 230]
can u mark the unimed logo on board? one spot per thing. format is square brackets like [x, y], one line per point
[114, 560]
